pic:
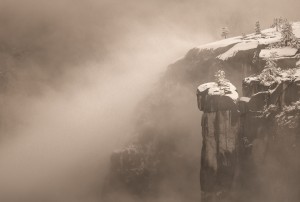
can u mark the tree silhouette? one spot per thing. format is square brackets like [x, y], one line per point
[225, 32]
[287, 33]
[257, 28]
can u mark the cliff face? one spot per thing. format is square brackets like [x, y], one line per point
[258, 133]
[220, 126]
[269, 161]
[169, 127]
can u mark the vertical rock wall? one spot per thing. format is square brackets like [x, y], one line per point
[251, 144]
[220, 128]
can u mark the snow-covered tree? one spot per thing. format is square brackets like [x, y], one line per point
[257, 28]
[281, 21]
[220, 78]
[287, 33]
[225, 32]
[275, 24]
[268, 76]
[278, 23]
[270, 63]
[271, 70]
[290, 116]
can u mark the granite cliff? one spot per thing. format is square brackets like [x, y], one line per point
[254, 117]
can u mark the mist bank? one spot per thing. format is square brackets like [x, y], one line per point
[163, 162]
[76, 77]
[70, 83]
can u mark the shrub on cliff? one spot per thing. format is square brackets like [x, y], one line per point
[273, 74]
[220, 78]
[289, 117]
[270, 111]
[269, 75]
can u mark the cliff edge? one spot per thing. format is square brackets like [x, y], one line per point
[247, 115]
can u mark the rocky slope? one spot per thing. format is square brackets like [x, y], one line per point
[165, 155]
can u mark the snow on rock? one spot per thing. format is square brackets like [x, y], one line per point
[230, 47]
[206, 86]
[253, 41]
[270, 39]
[269, 36]
[220, 44]
[213, 88]
[297, 73]
[243, 46]
[298, 64]
[271, 80]
[250, 79]
[213, 97]
[280, 52]
[296, 29]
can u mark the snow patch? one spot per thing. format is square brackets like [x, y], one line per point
[297, 73]
[268, 36]
[220, 44]
[244, 99]
[296, 29]
[250, 79]
[206, 86]
[247, 45]
[213, 88]
[281, 52]
[252, 41]
[270, 39]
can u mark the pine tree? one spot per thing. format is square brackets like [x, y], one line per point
[225, 32]
[257, 28]
[287, 33]
[270, 62]
[220, 78]
[244, 36]
[281, 21]
[276, 24]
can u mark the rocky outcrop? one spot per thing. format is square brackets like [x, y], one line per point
[220, 126]
[170, 115]
[272, 86]
[262, 133]
[270, 136]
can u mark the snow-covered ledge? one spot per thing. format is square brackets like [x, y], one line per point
[215, 97]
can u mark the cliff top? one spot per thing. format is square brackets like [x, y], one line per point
[213, 88]
[251, 41]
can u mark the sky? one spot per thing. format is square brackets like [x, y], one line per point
[72, 73]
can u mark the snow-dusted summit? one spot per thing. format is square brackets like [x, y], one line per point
[235, 45]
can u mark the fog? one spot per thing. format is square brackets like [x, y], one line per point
[73, 72]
